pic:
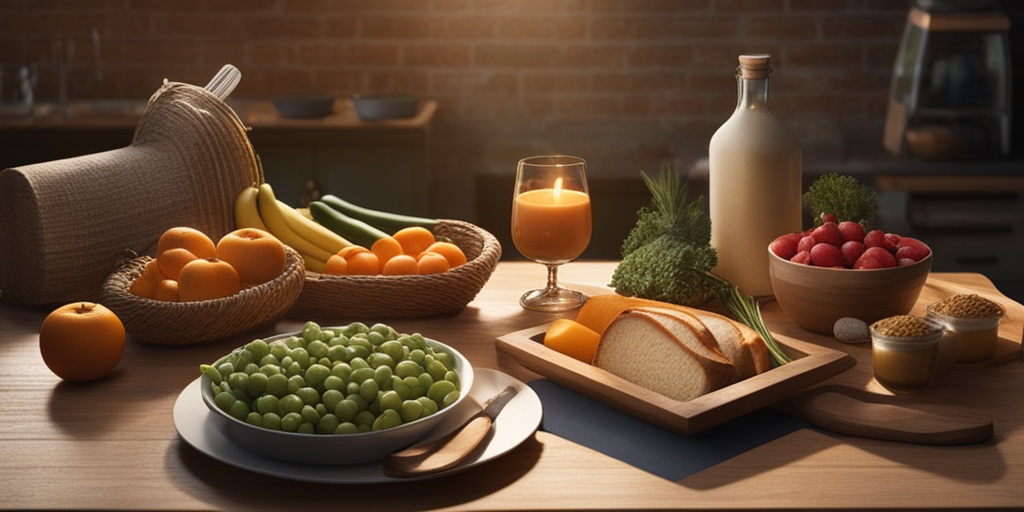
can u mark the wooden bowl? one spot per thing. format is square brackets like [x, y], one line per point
[379, 296]
[815, 297]
[190, 323]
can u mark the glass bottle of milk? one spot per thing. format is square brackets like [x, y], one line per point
[754, 183]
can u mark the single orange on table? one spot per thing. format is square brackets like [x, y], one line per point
[256, 255]
[431, 263]
[81, 341]
[206, 279]
[450, 251]
[414, 239]
[572, 339]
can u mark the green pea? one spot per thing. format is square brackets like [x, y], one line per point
[269, 359]
[341, 370]
[293, 369]
[355, 328]
[383, 376]
[251, 368]
[327, 334]
[245, 357]
[258, 348]
[384, 330]
[380, 360]
[346, 427]
[356, 352]
[390, 400]
[346, 410]
[429, 406]
[389, 418]
[436, 369]
[277, 385]
[453, 377]
[331, 398]
[450, 398]
[239, 410]
[425, 380]
[368, 390]
[316, 374]
[411, 410]
[238, 380]
[418, 340]
[301, 356]
[224, 400]
[293, 342]
[290, 422]
[398, 385]
[278, 349]
[352, 388]
[336, 353]
[334, 382]
[255, 419]
[211, 372]
[338, 340]
[257, 384]
[310, 415]
[320, 408]
[306, 428]
[317, 349]
[439, 390]
[242, 395]
[355, 397]
[364, 418]
[295, 383]
[270, 368]
[309, 396]
[358, 362]
[361, 374]
[311, 332]
[290, 403]
[408, 368]
[267, 403]
[328, 424]
[272, 421]
[226, 368]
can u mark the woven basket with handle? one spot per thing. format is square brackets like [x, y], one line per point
[361, 297]
[65, 224]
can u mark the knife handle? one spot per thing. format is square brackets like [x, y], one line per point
[440, 454]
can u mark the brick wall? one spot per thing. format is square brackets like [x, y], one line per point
[626, 84]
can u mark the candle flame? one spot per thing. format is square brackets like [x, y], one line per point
[558, 190]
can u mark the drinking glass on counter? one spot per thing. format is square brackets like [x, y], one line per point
[551, 223]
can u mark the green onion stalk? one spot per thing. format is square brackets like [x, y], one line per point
[747, 310]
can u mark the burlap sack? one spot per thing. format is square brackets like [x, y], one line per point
[65, 224]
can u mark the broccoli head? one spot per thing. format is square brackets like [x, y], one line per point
[669, 270]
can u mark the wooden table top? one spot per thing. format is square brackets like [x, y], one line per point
[112, 444]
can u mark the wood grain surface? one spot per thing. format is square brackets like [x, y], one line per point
[112, 444]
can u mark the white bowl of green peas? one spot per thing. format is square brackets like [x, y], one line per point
[335, 395]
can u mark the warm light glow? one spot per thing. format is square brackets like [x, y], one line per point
[558, 191]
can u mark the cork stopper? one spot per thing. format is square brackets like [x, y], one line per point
[754, 66]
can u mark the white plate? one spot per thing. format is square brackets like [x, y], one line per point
[205, 432]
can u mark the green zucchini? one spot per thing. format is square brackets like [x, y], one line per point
[353, 230]
[384, 221]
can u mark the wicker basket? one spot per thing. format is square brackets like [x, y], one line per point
[405, 296]
[190, 323]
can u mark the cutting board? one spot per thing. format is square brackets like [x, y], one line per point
[830, 385]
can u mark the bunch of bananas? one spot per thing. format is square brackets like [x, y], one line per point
[258, 207]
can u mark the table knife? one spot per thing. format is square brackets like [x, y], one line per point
[450, 450]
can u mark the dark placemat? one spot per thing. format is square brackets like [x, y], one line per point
[651, 448]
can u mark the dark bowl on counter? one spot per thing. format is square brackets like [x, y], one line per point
[304, 106]
[379, 107]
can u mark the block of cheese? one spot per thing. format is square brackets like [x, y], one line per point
[663, 353]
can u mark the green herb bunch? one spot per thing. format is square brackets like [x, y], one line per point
[842, 196]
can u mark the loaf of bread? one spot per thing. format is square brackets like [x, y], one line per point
[665, 353]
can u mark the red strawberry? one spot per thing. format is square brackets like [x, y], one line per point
[892, 241]
[806, 243]
[829, 233]
[826, 255]
[802, 257]
[785, 245]
[851, 251]
[902, 262]
[875, 257]
[874, 238]
[912, 248]
[852, 231]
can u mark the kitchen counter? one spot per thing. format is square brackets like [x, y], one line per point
[112, 444]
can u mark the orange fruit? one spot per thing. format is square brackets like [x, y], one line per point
[572, 339]
[180, 245]
[414, 239]
[450, 251]
[352, 249]
[81, 341]
[145, 285]
[362, 263]
[401, 265]
[166, 290]
[207, 278]
[385, 249]
[431, 263]
[257, 256]
[336, 265]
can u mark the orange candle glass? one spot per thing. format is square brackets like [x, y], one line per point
[551, 223]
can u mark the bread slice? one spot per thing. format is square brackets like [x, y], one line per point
[661, 353]
[737, 345]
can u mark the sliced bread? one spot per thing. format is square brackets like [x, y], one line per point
[663, 354]
[743, 347]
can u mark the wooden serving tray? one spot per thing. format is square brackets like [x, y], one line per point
[812, 364]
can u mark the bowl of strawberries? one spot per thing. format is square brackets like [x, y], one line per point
[839, 269]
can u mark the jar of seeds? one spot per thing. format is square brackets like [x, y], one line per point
[904, 351]
[975, 322]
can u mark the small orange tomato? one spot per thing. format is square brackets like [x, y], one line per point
[82, 341]
[207, 278]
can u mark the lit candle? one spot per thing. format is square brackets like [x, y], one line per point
[551, 225]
